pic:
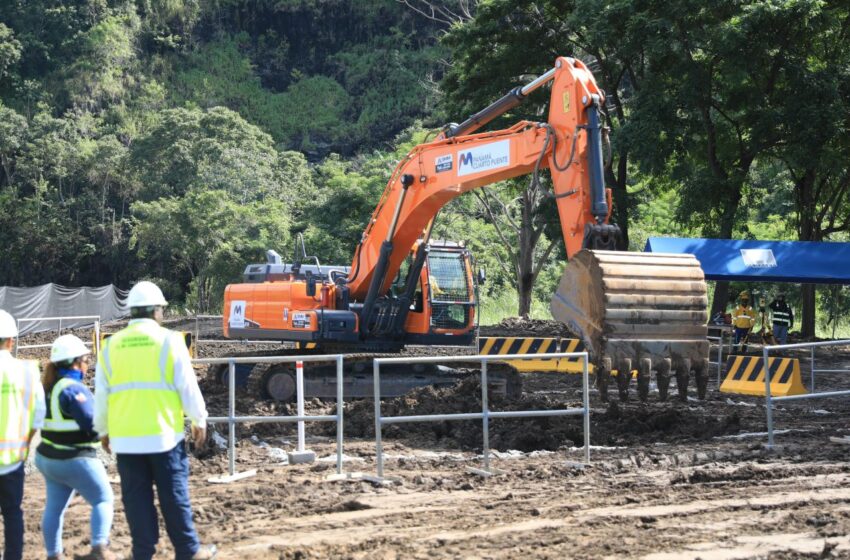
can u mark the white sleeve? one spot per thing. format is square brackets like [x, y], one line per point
[40, 406]
[187, 385]
[101, 402]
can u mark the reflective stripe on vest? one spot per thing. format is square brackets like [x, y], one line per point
[139, 369]
[57, 421]
[782, 317]
[59, 431]
[741, 317]
[17, 409]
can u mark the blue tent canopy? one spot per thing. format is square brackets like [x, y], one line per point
[802, 262]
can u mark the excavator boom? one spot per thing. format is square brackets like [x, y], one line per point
[458, 162]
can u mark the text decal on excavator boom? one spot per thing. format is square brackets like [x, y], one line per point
[484, 158]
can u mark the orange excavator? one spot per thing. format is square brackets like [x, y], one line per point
[633, 311]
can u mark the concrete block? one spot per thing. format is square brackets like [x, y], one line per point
[301, 457]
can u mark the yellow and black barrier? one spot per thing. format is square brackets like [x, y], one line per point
[504, 345]
[187, 336]
[745, 376]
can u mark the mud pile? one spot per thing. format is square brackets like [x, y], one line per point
[517, 326]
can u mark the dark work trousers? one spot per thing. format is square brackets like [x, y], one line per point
[11, 497]
[170, 472]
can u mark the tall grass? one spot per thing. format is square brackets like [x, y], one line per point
[505, 304]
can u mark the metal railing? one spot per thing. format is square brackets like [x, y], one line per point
[95, 322]
[769, 400]
[486, 414]
[720, 341]
[231, 419]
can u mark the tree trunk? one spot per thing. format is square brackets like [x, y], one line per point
[525, 257]
[524, 290]
[807, 317]
[808, 231]
[721, 298]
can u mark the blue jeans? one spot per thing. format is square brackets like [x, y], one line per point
[170, 472]
[740, 337]
[781, 333]
[63, 477]
[11, 497]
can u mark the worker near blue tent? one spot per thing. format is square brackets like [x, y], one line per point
[743, 319]
[67, 455]
[22, 412]
[144, 384]
[782, 317]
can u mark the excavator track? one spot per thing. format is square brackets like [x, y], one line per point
[644, 312]
[277, 381]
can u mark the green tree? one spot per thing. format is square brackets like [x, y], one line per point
[206, 237]
[10, 51]
[217, 148]
[13, 132]
[815, 154]
[102, 71]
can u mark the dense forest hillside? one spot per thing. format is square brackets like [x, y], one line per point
[176, 140]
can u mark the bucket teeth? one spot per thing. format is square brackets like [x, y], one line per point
[638, 310]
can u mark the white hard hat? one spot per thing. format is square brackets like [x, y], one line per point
[67, 347]
[8, 326]
[145, 294]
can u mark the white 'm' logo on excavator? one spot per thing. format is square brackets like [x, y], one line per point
[484, 158]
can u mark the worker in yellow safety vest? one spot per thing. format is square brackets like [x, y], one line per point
[22, 412]
[144, 384]
[743, 319]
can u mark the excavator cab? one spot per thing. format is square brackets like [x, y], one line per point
[445, 303]
[307, 303]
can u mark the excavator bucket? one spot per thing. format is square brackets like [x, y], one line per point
[638, 311]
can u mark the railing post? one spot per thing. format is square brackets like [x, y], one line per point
[231, 413]
[485, 420]
[813, 370]
[585, 397]
[299, 395]
[339, 411]
[767, 398]
[720, 358]
[379, 454]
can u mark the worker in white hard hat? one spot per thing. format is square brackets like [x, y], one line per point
[144, 385]
[22, 412]
[67, 454]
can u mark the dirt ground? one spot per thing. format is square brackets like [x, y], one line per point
[666, 480]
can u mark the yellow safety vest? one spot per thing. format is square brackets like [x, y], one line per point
[59, 431]
[743, 317]
[17, 409]
[139, 368]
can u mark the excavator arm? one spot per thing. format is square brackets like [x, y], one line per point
[433, 174]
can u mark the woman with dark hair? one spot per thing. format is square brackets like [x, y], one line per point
[67, 455]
